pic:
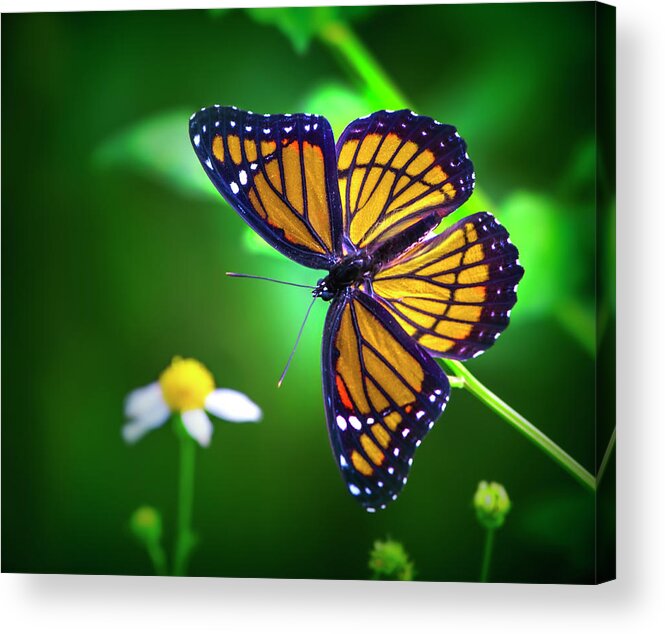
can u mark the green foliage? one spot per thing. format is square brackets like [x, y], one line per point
[389, 561]
[536, 225]
[580, 175]
[255, 244]
[551, 245]
[492, 504]
[338, 102]
[159, 147]
[302, 24]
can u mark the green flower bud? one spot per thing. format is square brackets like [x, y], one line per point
[492, 504]
[388, 560]
[146, 524]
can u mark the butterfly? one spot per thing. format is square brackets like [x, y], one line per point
[364, 210]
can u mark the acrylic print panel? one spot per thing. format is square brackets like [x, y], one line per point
[449, 412]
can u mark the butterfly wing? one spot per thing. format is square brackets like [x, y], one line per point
[382, 394]
[453, 292]
[396, 168]
[279, 173]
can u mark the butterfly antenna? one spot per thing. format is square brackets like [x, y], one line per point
[269, 279]
[295, 345]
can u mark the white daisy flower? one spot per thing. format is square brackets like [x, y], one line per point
[187, 388]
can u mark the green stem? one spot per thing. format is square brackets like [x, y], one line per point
[184, 537]
[606, 457]
[456, 382]
[487, 555]
[381, 92]
[523, 425]
[158, 557]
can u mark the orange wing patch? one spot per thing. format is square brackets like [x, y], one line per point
[362, 370]
[361, 464]
[233, 142]
[343, 393]
[218, 148]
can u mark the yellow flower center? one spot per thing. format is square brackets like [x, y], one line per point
[185, 384]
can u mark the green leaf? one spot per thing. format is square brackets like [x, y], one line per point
[159, 147]
[302, 24]
[538, 230]
[337, 103]
[255, 244]
[298, 24]
[552, 256]
[580, 176]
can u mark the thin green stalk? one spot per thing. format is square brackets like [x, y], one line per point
[522, 425]
[158, 558]
[487, 555]
[378, 87]
[606, 457]
[456, 382]
[185, 537]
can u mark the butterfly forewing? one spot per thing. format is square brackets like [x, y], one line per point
[454, 292]
[382, 394]
[279, 173]
[396, 168]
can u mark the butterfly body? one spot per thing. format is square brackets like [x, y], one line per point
[351, 271]
[364, 210]
[359, 268]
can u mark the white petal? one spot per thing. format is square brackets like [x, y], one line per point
[232, 406]
[147, 409]
[146, 403]
[135, 429]
[198, 426]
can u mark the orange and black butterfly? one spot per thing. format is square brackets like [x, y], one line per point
[364, 210]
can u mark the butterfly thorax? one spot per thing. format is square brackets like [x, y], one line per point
[351, 271]
[359, 267]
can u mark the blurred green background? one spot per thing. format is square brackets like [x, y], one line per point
[115, 247]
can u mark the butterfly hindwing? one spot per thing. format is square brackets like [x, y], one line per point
[453, 293]
[382, 394]
[279, 173]
[396, 168]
